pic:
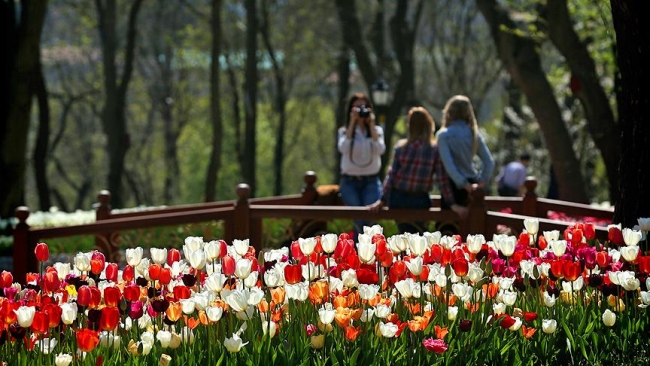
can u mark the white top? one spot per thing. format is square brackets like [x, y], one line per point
[364, 156]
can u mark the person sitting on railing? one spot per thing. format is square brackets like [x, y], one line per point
[361, 144]
[459, 141]
[414, 167]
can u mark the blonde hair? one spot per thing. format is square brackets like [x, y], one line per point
[459, 107]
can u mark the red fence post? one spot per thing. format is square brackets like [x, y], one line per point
[23, 249]
[108, 242]
[529, 203]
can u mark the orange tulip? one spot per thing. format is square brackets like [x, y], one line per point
[318, 292]
[87, 339]
[418, 323]
[351, 333]
[174, 311]
[278, 294]
[528, 332]
[414, 308]
[441, 332]
[343, 316]
[572, 270]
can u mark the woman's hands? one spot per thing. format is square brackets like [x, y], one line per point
[375, 207]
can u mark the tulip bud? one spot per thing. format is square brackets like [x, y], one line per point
[42, 252]
[609, 318]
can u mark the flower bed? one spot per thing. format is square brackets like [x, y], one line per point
[539, 298]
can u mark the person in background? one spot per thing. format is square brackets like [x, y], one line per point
[415, 166]
[510, 181]
[361, 144]
[459, 141]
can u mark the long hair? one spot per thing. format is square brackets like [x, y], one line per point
[459, 107]
[420, 125]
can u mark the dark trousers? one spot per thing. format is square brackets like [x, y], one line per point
[508, 191]
[402, 199]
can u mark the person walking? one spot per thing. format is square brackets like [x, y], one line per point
[459, 141]
[510, 181]
[361, 144]
[415, 166]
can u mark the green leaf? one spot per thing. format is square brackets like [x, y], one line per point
[220, 361]
[355, 355]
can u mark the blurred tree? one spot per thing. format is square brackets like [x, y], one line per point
[116, 85]
[22, 23]
[250, 96]
[519, 53]
[633, 98]
[214, 164]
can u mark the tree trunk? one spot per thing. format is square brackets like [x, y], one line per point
[633, 96]
[20, 65]
[250, 96]
[600, 119]
[42, 143]
[280, 101]
[521, 59]
[114, 111]
[343, 71]
[212, 175]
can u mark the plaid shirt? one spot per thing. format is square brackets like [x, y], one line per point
[413, 169]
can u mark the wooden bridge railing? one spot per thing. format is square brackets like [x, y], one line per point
[243, 217]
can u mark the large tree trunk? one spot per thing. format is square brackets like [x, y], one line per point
[114, 111]
[600, 120]
[343, 71]
[215, 107]
[20, 66]
[250, 96]
[521, 59]
[280, 102]
[42, 143]
[633, 97]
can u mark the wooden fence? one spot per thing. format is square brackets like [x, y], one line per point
[315, 204]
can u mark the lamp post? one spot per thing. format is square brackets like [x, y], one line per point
[380, 95]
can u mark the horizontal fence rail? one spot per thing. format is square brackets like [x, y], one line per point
[243, 217]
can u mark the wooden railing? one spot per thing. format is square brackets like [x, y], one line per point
[243, 217]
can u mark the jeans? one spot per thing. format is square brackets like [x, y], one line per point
[360, 191]
[400, 199]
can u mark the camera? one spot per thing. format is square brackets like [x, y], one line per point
[363, 111]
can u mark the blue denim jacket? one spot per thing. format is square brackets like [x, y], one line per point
[456, 149]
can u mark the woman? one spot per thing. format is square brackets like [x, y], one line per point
[361, 144]
[415, 165]
[459, 141]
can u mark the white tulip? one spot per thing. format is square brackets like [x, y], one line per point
[531, 225]
[366, 252]
[415, 265]
[631, 237]
[63, 359]
[368, 292]
[234, 344]
[418, 245]
[134, 256]
[388, 330]
[630, 252]
[158, 255]
[549, 326]
[551, 235]
[475, 243]
[307, 246]
[328, 242]
[609, 318]
[241, 246]
[326, 314]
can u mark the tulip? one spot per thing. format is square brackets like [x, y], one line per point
[549, 326]
[241, 246]
[368, 292]
[387, 330]
[25, 315]
[82, 262]
[197, 259]
[269, 327]
[173, 256]
[68, 313]
[644, 223]
[531, 225]
[307, 246]
[435, 345]
[243, 268]
[558, 247]
[97, 262]
[418, 245]
[165, 360]
[42, 252]
[228, 265]
[164, 337]
[328, 243]
[87, 339]
[134, 256]
[475, 243]
[631, 237]
[317, 341]
[293, 273]
[366, 252]
[415, 265]
[158, 255]
[234, 344]
[6, 279]
[630, 252]
[63, 359]
[609, 318]
[461, 267]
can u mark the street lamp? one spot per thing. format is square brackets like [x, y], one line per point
[380, 95]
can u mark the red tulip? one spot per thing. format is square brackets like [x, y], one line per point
[110, 318]
[97, 262]
[507, 322]
[42, 252]
[112, 296]
[83, 295]
[296, 252]
[53, 312]
[589, 231]
[557, 268]
[603, 259]
[51, 281]
[644, 264]
[461, 267]
[572, 270]
[41, 322]
[173, 255]
[6, 279]
[112, 271]
[542, 243]
[165, 276]
[228, 265]
[87, 339]
[530, 316]
[367, 276]
[397, 271]
[154, 271]
[132, 293]
[181, 292]
[128, 274]
[615, 235]
[293, 273]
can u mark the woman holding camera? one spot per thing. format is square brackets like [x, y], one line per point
[361, 144]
